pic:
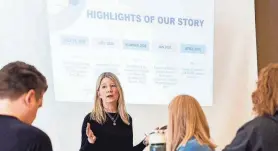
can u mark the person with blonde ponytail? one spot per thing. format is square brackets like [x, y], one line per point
[188, 128]
[109, 127]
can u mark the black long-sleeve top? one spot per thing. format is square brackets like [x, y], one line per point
[18, 136]
[110, 137]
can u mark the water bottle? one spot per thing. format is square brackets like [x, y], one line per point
[157, 142]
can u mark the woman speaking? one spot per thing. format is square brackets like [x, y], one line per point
[109, 127]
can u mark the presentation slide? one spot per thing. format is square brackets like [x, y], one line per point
[157, 48]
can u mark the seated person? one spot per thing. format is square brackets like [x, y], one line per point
[188, 128]
[261, 133]
[22, 88]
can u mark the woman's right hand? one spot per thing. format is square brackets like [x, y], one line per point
[90, 134]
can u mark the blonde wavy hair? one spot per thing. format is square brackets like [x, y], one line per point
[187, 120]
[98, 114]
[265, 97]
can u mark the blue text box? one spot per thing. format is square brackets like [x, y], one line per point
[189, 48]
[75, 40]
[136, 45]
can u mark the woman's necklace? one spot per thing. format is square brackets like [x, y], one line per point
[113, 119]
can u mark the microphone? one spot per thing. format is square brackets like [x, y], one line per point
[157, 129]
[163, 127]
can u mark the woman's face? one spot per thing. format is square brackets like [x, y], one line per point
[108, 91]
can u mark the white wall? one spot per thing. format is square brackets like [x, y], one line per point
[24, 36]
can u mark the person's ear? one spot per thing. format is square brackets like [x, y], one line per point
[29, 97]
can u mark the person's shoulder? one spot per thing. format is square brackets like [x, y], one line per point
[32, 134]
[193, 144]
[266, 119]
[38, 139]
[32, 131]
[129, 118]
[254, 127]
[260, 124]
[257, 120]
[88, 116]
[89, 119]
[255, 123]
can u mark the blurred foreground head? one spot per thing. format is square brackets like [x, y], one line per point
[22, 88]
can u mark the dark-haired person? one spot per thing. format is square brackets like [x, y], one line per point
[22, 88]
[261, 133]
